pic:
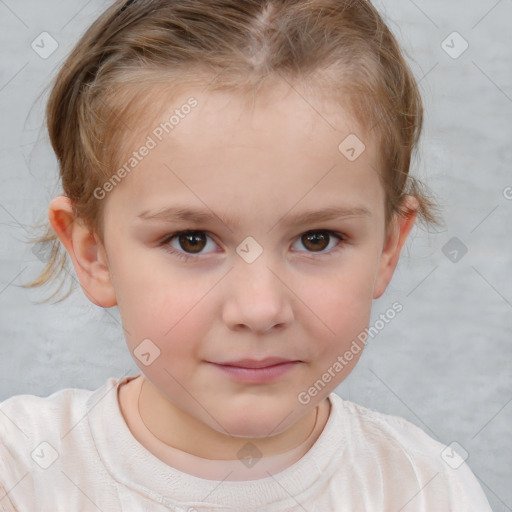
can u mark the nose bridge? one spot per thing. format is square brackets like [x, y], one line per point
[253, 261]
[257, 276]
[256, 297]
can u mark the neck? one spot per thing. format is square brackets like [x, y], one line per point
[174, 427]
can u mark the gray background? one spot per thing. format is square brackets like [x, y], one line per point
[444, 362]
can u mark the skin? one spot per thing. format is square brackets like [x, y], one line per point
[259, 164]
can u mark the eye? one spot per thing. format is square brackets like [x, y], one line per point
[318, 241]
[192, 242]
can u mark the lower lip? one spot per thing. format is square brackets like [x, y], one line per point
[258, 375]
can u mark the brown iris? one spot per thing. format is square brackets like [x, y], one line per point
[316, 240]
[192, 242]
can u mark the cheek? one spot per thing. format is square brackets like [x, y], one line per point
[343, 299]
[345, 313]
[162, 316]
[152, 294]
[342, 306]
[170, 310]
[170, 334]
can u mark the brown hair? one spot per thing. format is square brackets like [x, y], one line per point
[342, 47]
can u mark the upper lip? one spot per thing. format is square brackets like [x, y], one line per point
[254, 363]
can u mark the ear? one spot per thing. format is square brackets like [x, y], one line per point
[86, 252]
[395, 239]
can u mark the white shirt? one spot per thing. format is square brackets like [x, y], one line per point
[72, 451]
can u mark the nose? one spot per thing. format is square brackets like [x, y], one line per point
[256, 299]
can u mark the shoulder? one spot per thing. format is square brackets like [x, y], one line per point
[34, 430]
[48, 443]
[29, 416]
[394, 432]
[372, 426]
[402, 455]
[33, 410]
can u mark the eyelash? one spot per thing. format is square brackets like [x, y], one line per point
[190, 257]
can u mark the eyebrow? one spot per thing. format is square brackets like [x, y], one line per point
[198, 216]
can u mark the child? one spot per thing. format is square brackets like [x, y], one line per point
[260, 129]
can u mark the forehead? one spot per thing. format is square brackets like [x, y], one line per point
[281, 145]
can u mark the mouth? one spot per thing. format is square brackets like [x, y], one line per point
[257, 364]
[253, 371]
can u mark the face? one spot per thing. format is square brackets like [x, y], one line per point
[254, 277]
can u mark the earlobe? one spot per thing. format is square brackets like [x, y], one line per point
[86, 252]
[393, 244]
